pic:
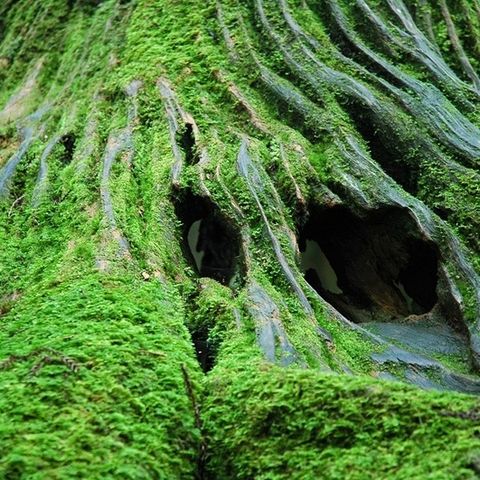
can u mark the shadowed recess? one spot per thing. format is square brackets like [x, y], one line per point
[371, 267]
[186, 140]
[210, 240]
[211, 245]
[68, 142]
[205, 355]
[385, 147]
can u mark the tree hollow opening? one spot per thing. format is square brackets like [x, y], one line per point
[373, 267]
[211, 242]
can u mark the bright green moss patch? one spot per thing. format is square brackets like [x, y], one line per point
[92, 383]
[98, 374]
[263, 422]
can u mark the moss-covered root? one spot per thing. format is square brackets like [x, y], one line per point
[98, 381]
[263, 422]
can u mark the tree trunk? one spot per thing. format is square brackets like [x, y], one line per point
[239, 239]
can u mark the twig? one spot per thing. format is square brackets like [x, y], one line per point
[198, 421]
[55, 357]
[15, 203]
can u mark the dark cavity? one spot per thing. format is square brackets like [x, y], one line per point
[373, 267]
[210, 240]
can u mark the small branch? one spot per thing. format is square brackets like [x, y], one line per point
[198, 421]
[18, 200]
[54, 357]
[39, 365]
[191, 396]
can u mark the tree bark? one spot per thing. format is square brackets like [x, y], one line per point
[239, 239]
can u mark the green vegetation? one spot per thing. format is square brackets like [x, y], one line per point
[92, 383]
[267, 423]
[102, 103]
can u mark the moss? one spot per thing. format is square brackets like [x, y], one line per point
[107, 360]
[336, 428]
[98, 371]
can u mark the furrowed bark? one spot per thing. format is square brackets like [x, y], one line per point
[239, 239]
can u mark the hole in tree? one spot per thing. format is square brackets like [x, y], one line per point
[211, 243]
[373, 267]
[210, 240]
[186, 140]
[68, 142]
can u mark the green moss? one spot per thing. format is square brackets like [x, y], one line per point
[107, 360]
[98, 372]
[265, 422]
